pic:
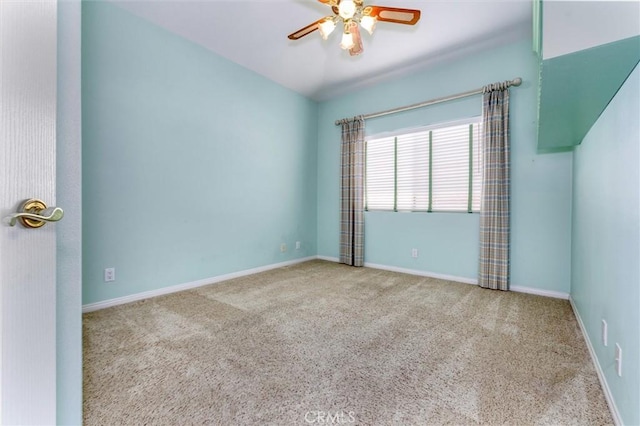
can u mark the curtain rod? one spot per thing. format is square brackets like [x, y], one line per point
[515, 82]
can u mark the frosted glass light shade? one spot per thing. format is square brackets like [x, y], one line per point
[326, 28]
[347, 9]
[368, 23]
[347, 41]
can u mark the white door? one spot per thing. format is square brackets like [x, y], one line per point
[27, 170]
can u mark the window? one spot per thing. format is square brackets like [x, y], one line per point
[435, 169]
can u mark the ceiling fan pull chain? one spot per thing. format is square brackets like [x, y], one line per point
[357, 40]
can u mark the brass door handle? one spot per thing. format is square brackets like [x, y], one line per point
[34, 213]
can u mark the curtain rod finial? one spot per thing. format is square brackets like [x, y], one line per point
[516, 81]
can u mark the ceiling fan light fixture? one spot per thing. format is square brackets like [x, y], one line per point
[326, 27]
[368, 23]
[355, 14]
[347, 41]
[346, 9]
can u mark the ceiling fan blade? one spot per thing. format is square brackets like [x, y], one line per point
[306, 30]
[393, 14]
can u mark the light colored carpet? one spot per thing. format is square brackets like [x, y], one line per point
[359, 345]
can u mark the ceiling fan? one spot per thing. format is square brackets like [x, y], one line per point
[352, 13]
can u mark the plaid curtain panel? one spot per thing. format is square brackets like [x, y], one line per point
[494, 211]
[352, 193]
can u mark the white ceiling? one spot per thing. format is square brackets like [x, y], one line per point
[253, 33]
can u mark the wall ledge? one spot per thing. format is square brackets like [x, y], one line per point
[603, 380]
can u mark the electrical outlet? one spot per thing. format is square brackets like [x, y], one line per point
[109, 274]
[283, 247]
[297, 245]
[604, 332]
[618, 360]
[414, 253]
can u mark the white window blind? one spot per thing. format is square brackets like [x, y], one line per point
[413, 171]
[380, 174]
[476, 166]
[438, 169]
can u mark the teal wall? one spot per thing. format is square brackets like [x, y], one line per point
[69, 230]
[605, 282]
[448, 242]
[193, 167]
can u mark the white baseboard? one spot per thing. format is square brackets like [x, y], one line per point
[603, 381]
[422, 273]
[464, 280]
[540, 292]
[187, 286]
[213, 280]
[328, 258]
[408, 271]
